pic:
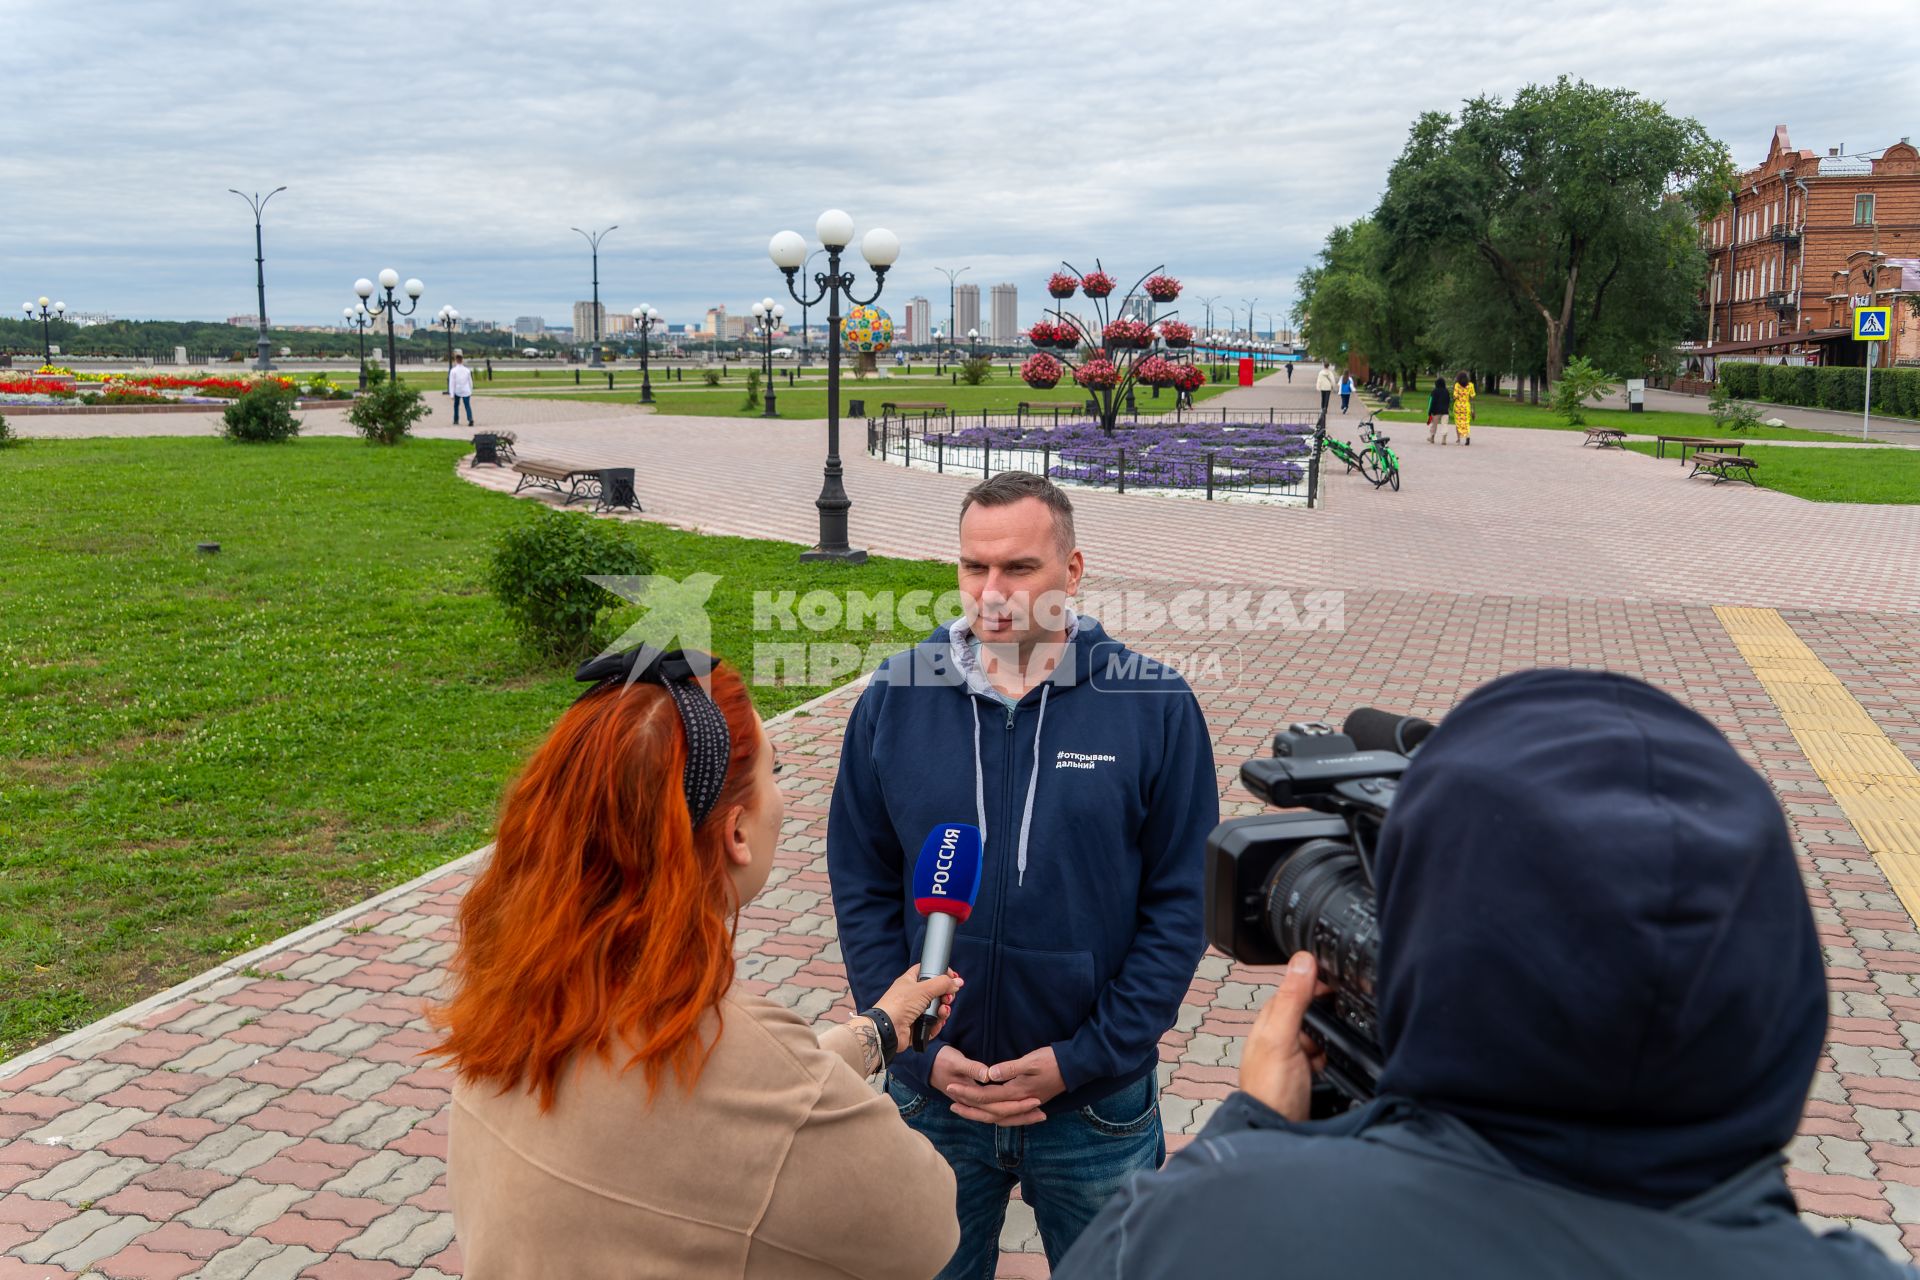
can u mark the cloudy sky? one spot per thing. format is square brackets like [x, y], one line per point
[458, 141]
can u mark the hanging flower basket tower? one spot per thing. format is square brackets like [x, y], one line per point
[1118, 347]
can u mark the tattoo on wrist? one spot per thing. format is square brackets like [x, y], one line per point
[869, 1037]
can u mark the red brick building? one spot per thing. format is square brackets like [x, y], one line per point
[1805, 240]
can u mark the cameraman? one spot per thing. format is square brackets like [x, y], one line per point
[1601, 999]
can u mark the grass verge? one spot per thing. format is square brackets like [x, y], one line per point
[1877, 476]
[1493, 411]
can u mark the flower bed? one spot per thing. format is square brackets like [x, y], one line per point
[1245, 455]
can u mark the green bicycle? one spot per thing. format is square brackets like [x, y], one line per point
[1376, 463]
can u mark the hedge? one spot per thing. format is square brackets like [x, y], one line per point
[1896, 391]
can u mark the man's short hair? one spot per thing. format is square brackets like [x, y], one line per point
[1013, 486]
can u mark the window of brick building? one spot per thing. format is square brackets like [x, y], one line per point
[1863, 210]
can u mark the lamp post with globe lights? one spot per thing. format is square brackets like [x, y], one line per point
[645, 319]
[973, 343]
[767, 315]
[45, 315]
[881, 248]
[358, 319]
[446, 318]
[594, 238]
[389, 306]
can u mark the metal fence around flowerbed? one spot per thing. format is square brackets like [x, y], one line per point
[1214, 457]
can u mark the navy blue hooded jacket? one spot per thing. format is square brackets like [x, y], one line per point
[1095, 794]
[1601, 1001]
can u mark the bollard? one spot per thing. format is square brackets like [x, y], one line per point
[609, 382]
[1209, 475]
[576, 377]
[1122, 472]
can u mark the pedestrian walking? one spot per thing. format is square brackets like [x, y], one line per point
[1438, 405]
[1325, 384]
[1289, 371]
[1346, 391]
[1463, 406]
[460, 387]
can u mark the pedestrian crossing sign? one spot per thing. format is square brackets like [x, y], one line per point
[1870, 323]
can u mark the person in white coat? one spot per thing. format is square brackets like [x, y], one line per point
[460, 387]
[1325, 384]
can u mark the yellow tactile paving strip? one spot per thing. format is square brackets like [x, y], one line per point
[1869, 777]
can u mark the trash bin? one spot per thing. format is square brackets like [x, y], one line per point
[616, 490]
[1636, 395]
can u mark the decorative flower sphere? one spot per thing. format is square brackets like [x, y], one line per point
[1041, 370]
[1097, 284]
[1162, 288]
[867, 329]
[1062, 285]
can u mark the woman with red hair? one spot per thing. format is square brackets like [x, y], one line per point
[620, 1110]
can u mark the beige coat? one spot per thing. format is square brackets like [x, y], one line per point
[781, 1162]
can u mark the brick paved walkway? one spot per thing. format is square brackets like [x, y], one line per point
[272, 1118]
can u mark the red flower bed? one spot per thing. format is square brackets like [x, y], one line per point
[1176, 334]
[1162, 288]
[1099, 375]
[1098, 284]
[35, 386]
[1061, 285]
[1041, 370]
[1126, 334]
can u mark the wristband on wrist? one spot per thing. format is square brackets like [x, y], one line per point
[883, 1026]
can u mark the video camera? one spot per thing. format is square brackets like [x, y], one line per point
[1279, 883]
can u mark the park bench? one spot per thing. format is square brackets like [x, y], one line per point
[1605, 438]
[912, 406]
[561, 477]
[1724, 466]
[1660, 444]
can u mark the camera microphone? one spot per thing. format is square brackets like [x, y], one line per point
[1375, 730]
[946, 880]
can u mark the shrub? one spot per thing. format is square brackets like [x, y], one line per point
[263, 415]
[386, 414]
[1580, 382]
[975, 371]
[1735, 415]
[376, 373]
[539, 575]
[1740, 378]
[753, 389]
[8, 438]
[710, 376]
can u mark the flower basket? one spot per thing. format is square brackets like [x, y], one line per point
[1126, 335]
[1162, 288]
[1041, 370]
[1175, 334]
[1062, 285]
[1155, 371]
[1098, 375]
[1188, 377]
[1096, 284]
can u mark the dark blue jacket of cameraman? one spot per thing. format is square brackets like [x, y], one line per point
[1601, 1001]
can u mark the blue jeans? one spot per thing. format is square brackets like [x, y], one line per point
[1067, 1166]
[457, 402]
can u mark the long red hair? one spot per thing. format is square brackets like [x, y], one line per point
[602, 917]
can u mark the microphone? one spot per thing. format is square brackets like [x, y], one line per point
[1375, 730]
[946, 880]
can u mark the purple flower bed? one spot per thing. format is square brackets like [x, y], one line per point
[1245, 455]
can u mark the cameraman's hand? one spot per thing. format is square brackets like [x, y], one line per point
[1279, 1059]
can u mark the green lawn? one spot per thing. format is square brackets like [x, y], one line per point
[1831, 475]
[199, 753]
[1497, 411]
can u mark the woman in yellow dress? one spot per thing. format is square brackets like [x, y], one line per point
[1463, 407]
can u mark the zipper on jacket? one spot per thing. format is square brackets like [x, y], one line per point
[997, 1038]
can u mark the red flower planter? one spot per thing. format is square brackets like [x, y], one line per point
[1041, 370]
[1162, 288]
[1176, 334]
[1096, 284]
[1062, 285]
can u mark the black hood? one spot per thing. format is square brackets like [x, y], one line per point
[1596, 949]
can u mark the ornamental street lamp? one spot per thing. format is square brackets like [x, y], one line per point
[594, 238]
[645, 319]
[952, 274]
[446, 318]
[46, 316]
[973, 343]
[880, 248]
[1249, 302]
[357, 317]
[766, 315]
[389, 306]
[259, 204]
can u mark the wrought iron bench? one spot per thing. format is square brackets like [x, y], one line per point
[1605, 438]
[561, 477]
[1724, 466]
[913, 406]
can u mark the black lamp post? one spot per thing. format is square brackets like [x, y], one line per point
[880, 248]
[446, 318]
[952, 274]
[645, 318]
[1249, 302]
[389, 306]
[594, 238]
[259, 204]
[806, 332]
[766, 316]
[973, 343]
[46, 315]
[358, 319]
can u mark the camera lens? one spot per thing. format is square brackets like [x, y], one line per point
[1319, 901]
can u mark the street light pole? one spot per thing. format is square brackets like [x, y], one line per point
[46, 315]
[594, 239]
[446, 319]
[390, 307]
[766, 314]
[789, 252]
[357, 317]
[952, 274]
[258, 203]
[806, 333]
[645, 318]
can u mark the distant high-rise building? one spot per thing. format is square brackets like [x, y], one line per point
[919, 322]
[716, 323]
[966, 310]
[618, 322]
[528, 326]
[583, 321]
[1006, 314]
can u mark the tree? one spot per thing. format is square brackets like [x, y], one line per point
[1358, 298]
[1563, 195]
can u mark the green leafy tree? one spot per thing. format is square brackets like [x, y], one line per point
[1580, 381]
[1356, 299]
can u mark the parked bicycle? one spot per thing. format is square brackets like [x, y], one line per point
[1374, 460]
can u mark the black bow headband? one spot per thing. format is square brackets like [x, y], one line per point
[709, 744]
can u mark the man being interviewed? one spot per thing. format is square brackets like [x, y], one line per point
[1092, 779]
